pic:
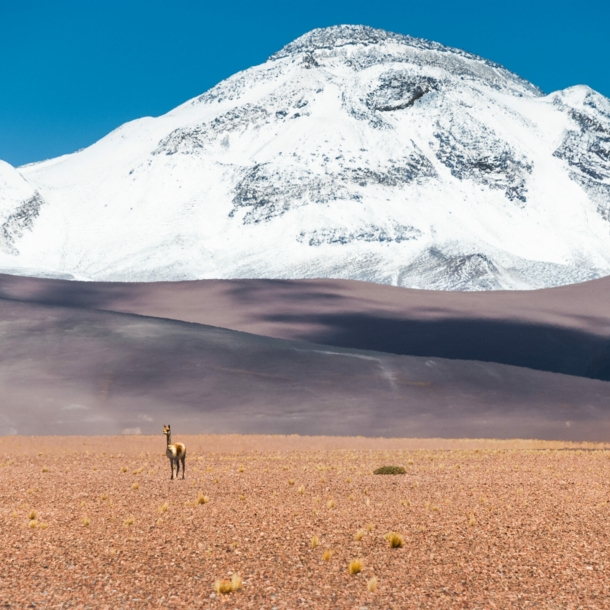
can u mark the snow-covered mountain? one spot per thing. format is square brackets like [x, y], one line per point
[351, 153]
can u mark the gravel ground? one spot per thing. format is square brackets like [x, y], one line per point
[495, 527]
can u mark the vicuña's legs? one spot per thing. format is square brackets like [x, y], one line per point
[171, 465]
[177, 467]
[183, 468]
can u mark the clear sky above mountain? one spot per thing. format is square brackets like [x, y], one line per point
[71, 71]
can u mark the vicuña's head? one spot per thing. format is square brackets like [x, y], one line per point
[166, 430]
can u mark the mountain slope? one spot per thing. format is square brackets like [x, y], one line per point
[351, 153]
[560, 330]
[75, 371]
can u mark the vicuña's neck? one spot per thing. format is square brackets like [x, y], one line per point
[169, 440]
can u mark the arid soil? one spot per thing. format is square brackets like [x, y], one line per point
[485, 524]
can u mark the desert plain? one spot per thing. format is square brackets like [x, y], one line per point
[96, 522]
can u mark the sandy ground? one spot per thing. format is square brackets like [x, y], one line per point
[486, 524]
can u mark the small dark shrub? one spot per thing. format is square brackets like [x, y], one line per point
[390, 470]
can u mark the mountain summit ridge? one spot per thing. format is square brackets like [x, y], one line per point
[335, 37]
[351, 153]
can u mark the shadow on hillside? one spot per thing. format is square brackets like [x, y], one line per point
[544, 348]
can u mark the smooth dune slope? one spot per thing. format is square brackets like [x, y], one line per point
[564, 330]
[75, 371]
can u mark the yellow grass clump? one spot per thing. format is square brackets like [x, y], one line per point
[138, 470]
[135, 486]
[301, 489]
[330, 504]
[327, 555]
[396, 540]
[201, 499]
[163, 508]
[86, 522]
[33, 523]
[32, 515]
[371, 585]
[124, 469]
[358, 535]
[223, 587]
[369, 527]
[129, 521]
[355, 566]
[104, 497]
[315, 541]
[291, 481]
[45, 469]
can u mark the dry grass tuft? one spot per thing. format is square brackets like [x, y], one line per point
[396, 540]
[371, 585]
[359, 535]
[135, 486]
[355, 566]
[369, 527]
[45, 469]
[223, 587]
[138, 471]
[32, 515]
[301, 489]
[315, 541]
[330, 504]
[104, 497]
[86, 522]
[163, 508]
[201, 499]
[33, 523]
[129, 521]
[43, 526]
[124, 469]
[327, 555]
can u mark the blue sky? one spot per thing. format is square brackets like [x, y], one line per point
[73, 70]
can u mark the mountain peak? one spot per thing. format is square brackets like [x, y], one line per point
[338, 36]
[356, 44]
[353, 153]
